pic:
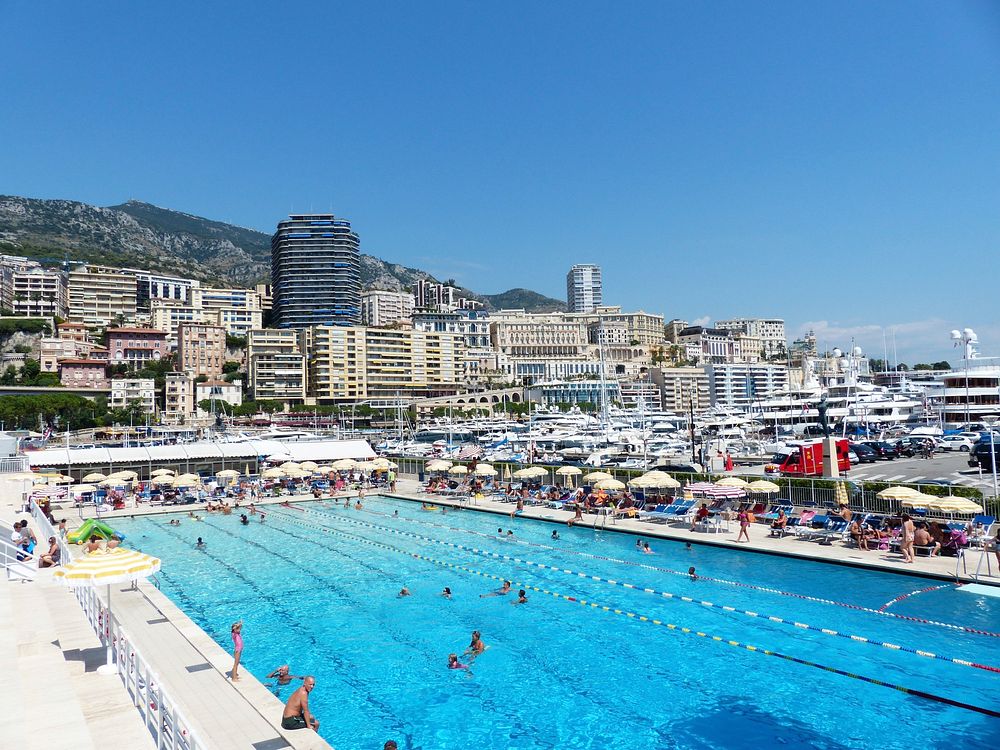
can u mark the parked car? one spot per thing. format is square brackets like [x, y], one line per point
[852, 456]
[983, 454]
[913, 445]
[865, 454]
[883, 450]
[956, 443]
[681, 468]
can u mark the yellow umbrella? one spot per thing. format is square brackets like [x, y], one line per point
[85, 488]
[954, 504]
[344, 464]
[485, 470]
[596, 476]
[732, 482]
[657, 479]
[568, 471]
[104, 568]
[609, 484]
[309, 465]
[899, 493]
[160, 473]
[438, 465]
[458, 470]
[95, 476]
[763, 486]
[227, 474]
[275, 472]
[127, 474]
[918, 500]
[290, 465]
[186, 480]
[324, 469]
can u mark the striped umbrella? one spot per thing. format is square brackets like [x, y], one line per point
[764, 487]
[104, 568]
[713, 490]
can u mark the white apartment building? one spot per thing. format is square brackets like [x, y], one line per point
[770, 331]
[9, 265]
[140, 391]
[277, 363]
[584, 289]
[99, 295]
[742, 384]
[708, 345]
[39, 293]
[682, 388]
[178, 400]
[224, 394]
[151, 286]
[381, 308]
[239, 311]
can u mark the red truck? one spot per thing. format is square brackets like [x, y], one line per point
[806, 459]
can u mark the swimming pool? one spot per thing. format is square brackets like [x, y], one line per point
[576, 667]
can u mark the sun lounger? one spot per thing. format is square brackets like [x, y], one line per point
[815, 527]
[659, 514]
[835, 528]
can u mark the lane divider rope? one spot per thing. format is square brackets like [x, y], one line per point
[654, 592]
[653, 621]
[740, 584]
[901, 597]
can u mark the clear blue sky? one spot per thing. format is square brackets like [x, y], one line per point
[835, 164]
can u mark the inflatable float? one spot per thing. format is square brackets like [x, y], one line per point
[92, 527]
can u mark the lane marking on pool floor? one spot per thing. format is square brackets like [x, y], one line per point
[661, 623]
[726, 582]
[664, 594]
[901, 597]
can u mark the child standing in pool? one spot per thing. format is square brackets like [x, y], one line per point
[236, 632]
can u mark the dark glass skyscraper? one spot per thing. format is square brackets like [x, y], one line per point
[315, 272]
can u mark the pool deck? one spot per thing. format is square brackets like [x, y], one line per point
[44, 634]
[760, 539]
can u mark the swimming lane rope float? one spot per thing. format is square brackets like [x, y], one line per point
[664, 594]
[740, 584]
[670, 626]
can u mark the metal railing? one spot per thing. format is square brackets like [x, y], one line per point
[159, 711]
[14, 464]
[12, 565]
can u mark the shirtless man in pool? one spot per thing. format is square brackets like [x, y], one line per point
[296, 714]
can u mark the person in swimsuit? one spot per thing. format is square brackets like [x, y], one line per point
[476, 646]
[906, 538]
[646, 550]
[200, 544]
[93, 545]
[694, 576]
[50, 558]
[282, 675]
[519, 509]
[296, 714]
[236, 632]
[576, 518]
[403, 592]
[744, 520]
[522, 597]
[555, 534]
[454, 663]
[446, 593]
[502, 591]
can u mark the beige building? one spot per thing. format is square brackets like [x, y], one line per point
[381, 308]
[100, 296]
[52, 350]
[201, 349]
[351, 363]
[515, 334]
[224, 394]
[126, 391]
[682, 388]
[769, 331]
[178, 400]
[38, 293]
[276, 363]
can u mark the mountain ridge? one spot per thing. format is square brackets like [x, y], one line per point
[142, 235]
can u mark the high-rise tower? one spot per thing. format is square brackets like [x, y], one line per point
[583, 288]
[315, 272]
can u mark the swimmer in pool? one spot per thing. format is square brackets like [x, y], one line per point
[502, 591]
[646, 550]
[694, 576]
[510, 534]
[638, 545]
[687, 545]
[446, 593]
[200, 544]
[395, 514]
[357, 505]
[522, 598]
[555, 534]
[454, 663]
[403, 592]
[476, 646]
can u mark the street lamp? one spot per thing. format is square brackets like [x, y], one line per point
[968, 339]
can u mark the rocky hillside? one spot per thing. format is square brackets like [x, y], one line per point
[140, 235]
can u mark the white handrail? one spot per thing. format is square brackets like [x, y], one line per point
[159, 711]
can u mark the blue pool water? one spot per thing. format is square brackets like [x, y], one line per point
[317, 589]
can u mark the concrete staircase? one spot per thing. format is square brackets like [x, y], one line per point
[52, 696]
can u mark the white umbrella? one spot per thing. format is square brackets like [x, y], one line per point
[160, 473]
[309, 465]
[732, 482]
[127, 474]
[275, 472]
[609, 484]
[458, 470]
[485, 470]
[569, 471]
[290, 465]
[82, 488]
[344, 464]
[597, 476]
[104, 568]
[95, 476]
[763, 486]
[227, 474]
[438, 465]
